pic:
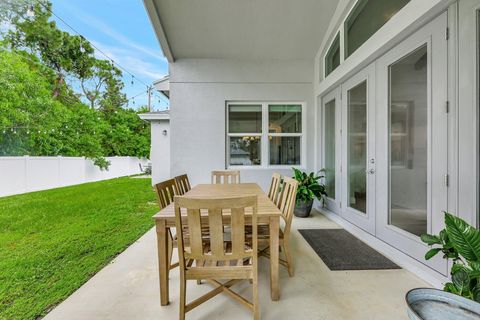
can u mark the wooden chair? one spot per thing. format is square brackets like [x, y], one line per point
[217, 259]
[166, 191]
[183, 184]
[274, 191]
[286, 206]
[226, 177]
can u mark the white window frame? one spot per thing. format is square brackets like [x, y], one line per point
[264, 141]
[341, 31]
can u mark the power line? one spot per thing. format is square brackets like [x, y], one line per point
[94, 46]
[40, 63]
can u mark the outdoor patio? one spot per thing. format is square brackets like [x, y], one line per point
[128, 289]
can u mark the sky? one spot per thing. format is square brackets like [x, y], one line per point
[122, 30]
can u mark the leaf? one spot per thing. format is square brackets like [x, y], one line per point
[431, 253]
[450, 287]
[476, 293]
[461, 280]
[465, 238]
[430, 239]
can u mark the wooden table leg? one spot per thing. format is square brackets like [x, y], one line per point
[274, 257]
[163, 260]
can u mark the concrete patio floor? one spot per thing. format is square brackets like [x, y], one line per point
[128, 289]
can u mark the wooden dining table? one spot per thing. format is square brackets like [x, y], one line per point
[267, 214]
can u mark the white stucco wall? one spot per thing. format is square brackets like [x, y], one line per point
[160, 150]
[199, 89]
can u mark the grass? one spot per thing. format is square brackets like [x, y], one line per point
[53, 241]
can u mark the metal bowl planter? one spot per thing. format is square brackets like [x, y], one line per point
[303, 209]
[434, 304]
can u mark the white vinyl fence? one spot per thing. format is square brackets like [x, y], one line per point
[26, 174]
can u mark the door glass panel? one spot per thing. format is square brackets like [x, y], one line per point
[357, 147]
[330, 149]
[408, 122]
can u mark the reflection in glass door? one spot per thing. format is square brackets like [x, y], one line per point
[331, 152]
[357, 147]
[408, 124]
[412, 141]
[358, 156]
[329, 142]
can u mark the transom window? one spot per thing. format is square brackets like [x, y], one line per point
[264, 134]
[365, 18]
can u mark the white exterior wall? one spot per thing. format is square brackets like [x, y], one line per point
[160, 150]
[27, 174]
[199, 90]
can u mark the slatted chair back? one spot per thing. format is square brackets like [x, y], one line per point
[287, 202]
[226, 177]
[275, 184]
[166, 191]
[212, 213]
[183, 184]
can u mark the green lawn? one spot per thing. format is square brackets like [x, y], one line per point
[51, 242]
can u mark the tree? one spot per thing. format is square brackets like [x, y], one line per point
[70, 56]
[36, 123]
[40, 112]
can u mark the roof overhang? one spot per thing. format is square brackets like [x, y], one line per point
[163, 85]
[155, 116]
[240, 29]
[153, 14]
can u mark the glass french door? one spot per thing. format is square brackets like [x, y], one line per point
[358, 154]
[411, 141]
[331, 115]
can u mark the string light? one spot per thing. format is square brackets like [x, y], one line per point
[82, 49]
[30, 12]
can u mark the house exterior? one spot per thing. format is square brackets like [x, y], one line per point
[160, 143]
[383, 95]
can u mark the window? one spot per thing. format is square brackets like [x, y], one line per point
[332, 59]
[245, 132]
[329, 150]
[366, 18]
[264, 134]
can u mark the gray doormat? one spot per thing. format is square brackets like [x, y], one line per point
[340, 250]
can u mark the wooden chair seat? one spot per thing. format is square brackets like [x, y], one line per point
[214, 263]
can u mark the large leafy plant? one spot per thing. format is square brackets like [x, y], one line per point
[309, 186]
[460, 242]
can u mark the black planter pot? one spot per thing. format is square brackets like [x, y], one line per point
[302, 209]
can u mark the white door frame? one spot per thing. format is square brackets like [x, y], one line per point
[366, 221]
[432, 34]
[334, 95]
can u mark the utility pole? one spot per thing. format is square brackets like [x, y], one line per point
[149, 99]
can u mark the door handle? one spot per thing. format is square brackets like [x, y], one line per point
[371, 171]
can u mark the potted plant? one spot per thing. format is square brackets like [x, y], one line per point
[460, 242]
[309, 188]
